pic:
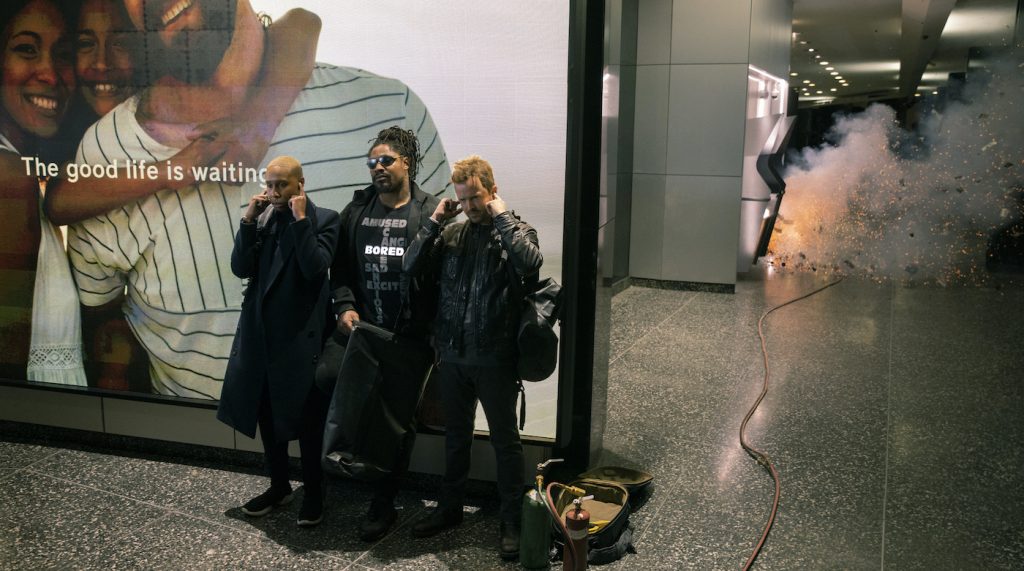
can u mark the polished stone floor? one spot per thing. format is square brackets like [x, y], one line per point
[895, 417]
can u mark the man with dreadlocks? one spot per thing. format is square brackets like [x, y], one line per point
[376, 227]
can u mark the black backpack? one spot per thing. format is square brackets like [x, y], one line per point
[538, 343]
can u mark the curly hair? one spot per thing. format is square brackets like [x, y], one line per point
[403, 142]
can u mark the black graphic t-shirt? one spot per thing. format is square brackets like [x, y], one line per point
[381, 239]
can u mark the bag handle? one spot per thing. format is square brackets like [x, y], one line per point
[522, 405]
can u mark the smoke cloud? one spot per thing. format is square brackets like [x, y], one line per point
[919, 205]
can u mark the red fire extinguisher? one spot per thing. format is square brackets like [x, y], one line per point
[577, 521]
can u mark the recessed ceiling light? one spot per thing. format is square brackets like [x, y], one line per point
[829, 68]
[802, 42]
[917, 95]
[839, 77]
[807, 81]
[818, 92]
[833, 89]
[810, 85]
[793, 74]
[810, 49]
[822, 62]
[833, 73]
[935, 93]
[817, 56]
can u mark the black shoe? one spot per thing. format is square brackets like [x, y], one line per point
[509, 548]
[439, 520]
[268, 500]
[312, 511]
[378, 521]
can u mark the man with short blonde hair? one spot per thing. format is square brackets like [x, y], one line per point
[484, 265]
[473, 166]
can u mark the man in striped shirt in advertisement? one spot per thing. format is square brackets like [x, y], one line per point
[167, 253]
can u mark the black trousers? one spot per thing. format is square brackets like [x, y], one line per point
[404, 363]
[311, 434]
[497, 388]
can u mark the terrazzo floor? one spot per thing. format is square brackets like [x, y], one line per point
[894, 416]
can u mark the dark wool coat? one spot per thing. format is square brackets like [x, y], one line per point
[284, 316]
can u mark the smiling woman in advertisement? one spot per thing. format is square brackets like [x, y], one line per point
[38, 80]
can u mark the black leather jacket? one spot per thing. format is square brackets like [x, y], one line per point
[508, 259]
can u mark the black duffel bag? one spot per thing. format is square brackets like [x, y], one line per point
[537, 340]
[371, 423]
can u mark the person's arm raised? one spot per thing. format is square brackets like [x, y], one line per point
[291, 53]
[69, 202]
[287, 66]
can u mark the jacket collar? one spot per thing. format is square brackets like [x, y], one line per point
[265, 217]
[285, 247]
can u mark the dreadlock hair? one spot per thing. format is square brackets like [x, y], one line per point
[403, 142]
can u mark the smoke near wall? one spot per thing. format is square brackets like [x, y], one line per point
[922, 205]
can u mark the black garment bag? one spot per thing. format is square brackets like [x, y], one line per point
[371, 420]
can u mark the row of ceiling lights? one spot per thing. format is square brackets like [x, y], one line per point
[808, 87]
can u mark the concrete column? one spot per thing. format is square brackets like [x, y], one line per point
[690, 112]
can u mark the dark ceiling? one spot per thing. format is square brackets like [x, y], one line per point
[857, 51]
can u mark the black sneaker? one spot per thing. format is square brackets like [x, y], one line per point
[509, 546]
[312, 511]
[440, 519]
[378, 520]
[268, 500]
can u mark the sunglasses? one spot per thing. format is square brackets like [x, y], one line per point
[385, 160]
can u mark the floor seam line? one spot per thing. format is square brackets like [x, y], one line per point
[653, 329]
[888, 415]
[167, 511]
[409, 520]
[38, 460]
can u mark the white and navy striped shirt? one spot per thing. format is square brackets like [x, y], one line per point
[172, 250]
